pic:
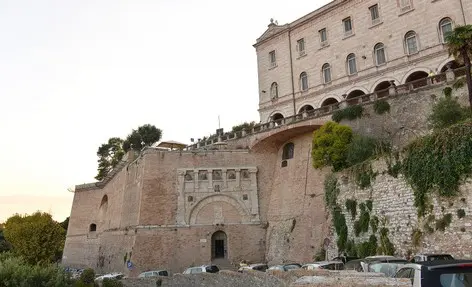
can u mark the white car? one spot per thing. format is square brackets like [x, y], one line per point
[329, 265]
[154, 273]
[117, 276]
[202, 269]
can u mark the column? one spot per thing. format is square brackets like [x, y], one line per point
[254, 198]
[450, 77]
[225, 178]
[210, 179]
[195, 179]
[392, 90]
[181, 199]
[238, 178]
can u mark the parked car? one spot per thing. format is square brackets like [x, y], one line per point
[154, 273]
[387, 267]
[258, 267]
[345, 259]
[362, 265]
[117, 276]
[202, 269]
[329, 265]
[438, 273]
[430, 257]
[285, 267]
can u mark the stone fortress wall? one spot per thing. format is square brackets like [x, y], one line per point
[422, 18]
[256, 197]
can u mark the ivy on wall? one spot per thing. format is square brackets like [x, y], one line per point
[348, 113]
[438, 162]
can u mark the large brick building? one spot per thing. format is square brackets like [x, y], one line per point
[257, 197]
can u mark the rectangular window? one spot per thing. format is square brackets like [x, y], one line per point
[347, 23]
[323, 35]
[374, 14]
[405, 5]
[301, 46]
[272, 59]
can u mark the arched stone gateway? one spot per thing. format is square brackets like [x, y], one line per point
[452, 64]
[277, 118]
[219, 245]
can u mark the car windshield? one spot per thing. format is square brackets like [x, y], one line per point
[389, 269]
[440, 257]
[212, 269]
[447, 277]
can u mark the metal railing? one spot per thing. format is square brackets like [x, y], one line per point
[392, 91]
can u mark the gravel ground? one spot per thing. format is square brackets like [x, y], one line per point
[298, 278]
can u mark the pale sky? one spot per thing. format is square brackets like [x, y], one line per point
[74, 73]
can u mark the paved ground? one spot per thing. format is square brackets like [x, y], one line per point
[299, 278]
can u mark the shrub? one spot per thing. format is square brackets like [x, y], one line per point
[386, 247]
[349, 113]
[416, 236]
[351, 206]
[244, 126]
[88, 276]
[331, 191]
[381, 107]
[339, 223]
[360, 149]
[330, 143]
[447, 111]
[444, 222]
[374, 223]
[14, 271]
[426, 159]
[320, 255]
[461, 213]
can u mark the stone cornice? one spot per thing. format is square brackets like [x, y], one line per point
[350, 82]
[301, 21]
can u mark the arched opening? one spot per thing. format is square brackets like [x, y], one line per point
[329, 101]
[274, 91]
[103, 207]
[277, 118]
[219, 245]
[288, 151]
[418, 79]
[382, 89]
[307, 108]
[352, 97]
[445, 27]
[453, 65]
[92, 227]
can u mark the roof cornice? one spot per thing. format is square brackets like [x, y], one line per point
[299, 22]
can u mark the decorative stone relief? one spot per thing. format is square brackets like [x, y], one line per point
[236, 186]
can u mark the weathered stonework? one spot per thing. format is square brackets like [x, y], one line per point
[168, 209]
[393, 203]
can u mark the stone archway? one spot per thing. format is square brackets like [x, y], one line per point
[382, 89]
[219, 245]
[329, 101]
[417, 79]
[452, 64]
[352, 97]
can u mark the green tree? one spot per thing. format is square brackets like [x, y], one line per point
[244, 126]
[446, 112]
[109, 155]
[330, 144]
[4, 245]
[37, 238]
[65, 223]
[145, 135]
[459, 43]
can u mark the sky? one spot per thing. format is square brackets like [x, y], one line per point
[75, 73]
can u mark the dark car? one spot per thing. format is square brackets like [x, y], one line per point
[430, 257]
[286, 267]
[438, 273]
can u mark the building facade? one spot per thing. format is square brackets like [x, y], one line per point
[256, 197]
[350, 48]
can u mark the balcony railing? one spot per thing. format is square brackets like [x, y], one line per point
[392, 91]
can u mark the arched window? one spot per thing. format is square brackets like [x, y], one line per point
[351, 64]
[303, 81]
[379, 53]
[274, 91]
[445, 27]
[93, 227]
[411, 43]
[288, 150]
[326, 69]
